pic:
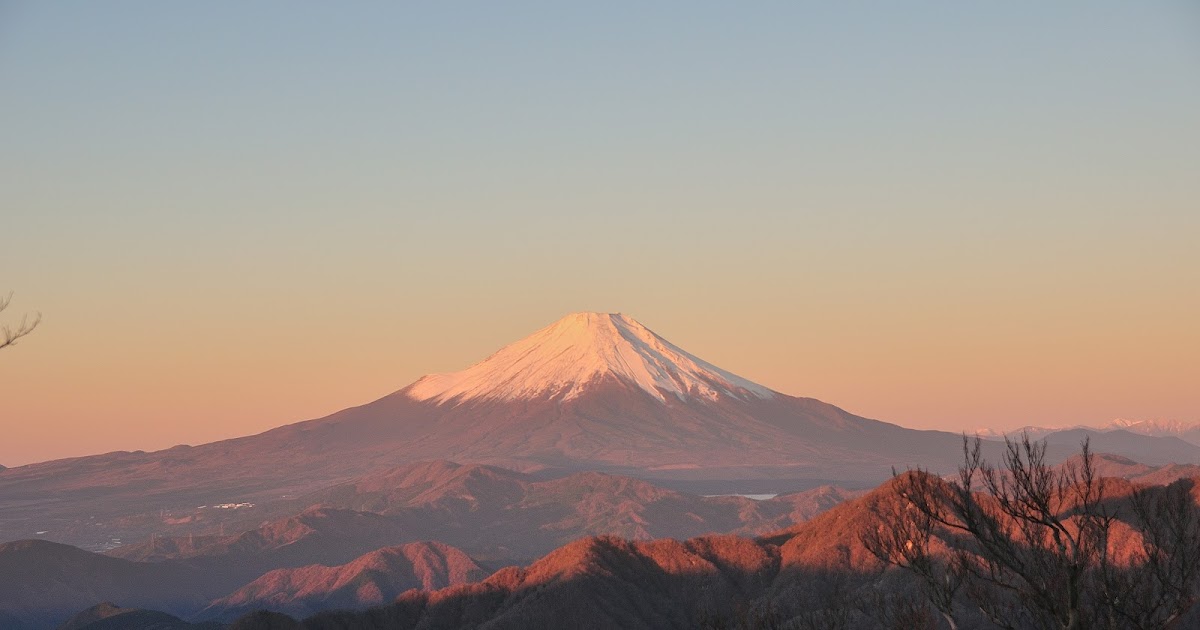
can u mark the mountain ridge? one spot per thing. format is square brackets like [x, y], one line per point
[1186, 431]
[376, 577]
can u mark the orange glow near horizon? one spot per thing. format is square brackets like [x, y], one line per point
[233, 222]
[125, 389]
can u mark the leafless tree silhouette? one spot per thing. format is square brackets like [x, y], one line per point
[1159, 584]
[905, 537]
[8, 334]
[1031, 544]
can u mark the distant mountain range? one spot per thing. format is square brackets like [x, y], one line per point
[365, 541]
[1187, 431]
[499, 516]
[813, 574]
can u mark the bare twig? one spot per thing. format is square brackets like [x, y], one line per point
[9, 334]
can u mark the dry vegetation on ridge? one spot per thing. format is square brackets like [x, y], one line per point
[1026, 545]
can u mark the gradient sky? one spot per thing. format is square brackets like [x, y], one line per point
[949, 215]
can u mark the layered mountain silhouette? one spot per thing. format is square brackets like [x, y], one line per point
[366, 540]
[497, 515]
[44, 583]
[312, 562]
[590, 392]
[814, 574]
[586, 429]
[375, 578]
[109, 616]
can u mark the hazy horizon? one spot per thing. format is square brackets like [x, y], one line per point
[237, 217]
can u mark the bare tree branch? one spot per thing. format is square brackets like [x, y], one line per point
[8, 334]
[1030, 544]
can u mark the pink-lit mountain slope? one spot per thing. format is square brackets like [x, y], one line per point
[602, 391]
[374, 578]
[816, 574]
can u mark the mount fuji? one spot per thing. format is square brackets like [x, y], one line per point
[600, 391]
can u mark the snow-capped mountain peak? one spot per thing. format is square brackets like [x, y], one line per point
[559, 361]
[1152, 427]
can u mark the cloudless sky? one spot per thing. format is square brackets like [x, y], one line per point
[941, 214]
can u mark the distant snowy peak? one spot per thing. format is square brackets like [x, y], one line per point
[1186, 431]
[559, 361]
[1153, 427]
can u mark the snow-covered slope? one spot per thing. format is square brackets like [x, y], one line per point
[560, 361]
[1154, 427]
